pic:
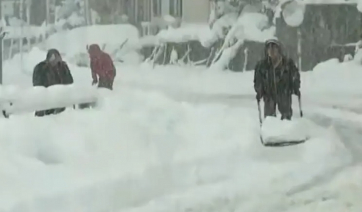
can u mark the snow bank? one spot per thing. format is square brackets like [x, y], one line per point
[334, 77]
[80, 150]
[139, 147]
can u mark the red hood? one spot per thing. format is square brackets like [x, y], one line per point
[94, 50]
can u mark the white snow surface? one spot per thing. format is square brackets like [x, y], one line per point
[275, 130]
[173, 139]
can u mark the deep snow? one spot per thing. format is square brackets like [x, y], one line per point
[179, 139]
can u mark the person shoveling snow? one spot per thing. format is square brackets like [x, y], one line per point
[276, 79]
[52, 71]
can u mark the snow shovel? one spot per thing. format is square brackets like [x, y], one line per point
[260, 119]
[300, 105]
[285, 143]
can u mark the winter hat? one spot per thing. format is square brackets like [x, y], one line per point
[53, 54]
[275, 42]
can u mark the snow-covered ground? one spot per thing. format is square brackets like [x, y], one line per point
[182, 139]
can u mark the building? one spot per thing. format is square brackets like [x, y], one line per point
[148, 14]
[196, 11]
[186, 10]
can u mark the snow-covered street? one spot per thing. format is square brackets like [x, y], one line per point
[184, 136]
[182, 139]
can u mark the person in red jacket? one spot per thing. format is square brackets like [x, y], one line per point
[101, 64]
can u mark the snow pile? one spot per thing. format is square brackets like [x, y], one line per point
[97, 153]
[334, 77]
[275, 130]
[41, 98]
[73, 43]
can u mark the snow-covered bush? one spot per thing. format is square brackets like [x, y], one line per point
[231, 23]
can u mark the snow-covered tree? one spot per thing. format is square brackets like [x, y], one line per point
[235, 21]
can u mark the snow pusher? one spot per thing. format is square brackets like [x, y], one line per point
[281, 133]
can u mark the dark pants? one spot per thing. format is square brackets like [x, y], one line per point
[49, 112]
[105, 83]
[284, 102]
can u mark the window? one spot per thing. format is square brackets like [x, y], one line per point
[176, 8]
[157, 7]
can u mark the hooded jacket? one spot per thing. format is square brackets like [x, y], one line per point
[45, 74]
[270, 81]
[101, 64]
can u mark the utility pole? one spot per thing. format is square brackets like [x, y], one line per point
[21, 34]
[86, 12]
[47, 18]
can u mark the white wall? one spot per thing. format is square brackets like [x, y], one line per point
[165, 7]
[7, 7]
[196, 11]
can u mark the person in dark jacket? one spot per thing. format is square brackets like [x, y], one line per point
[276, 78]
[102, 67]
[52, 71]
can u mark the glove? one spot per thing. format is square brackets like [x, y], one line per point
[259, 96]
[94, 82]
